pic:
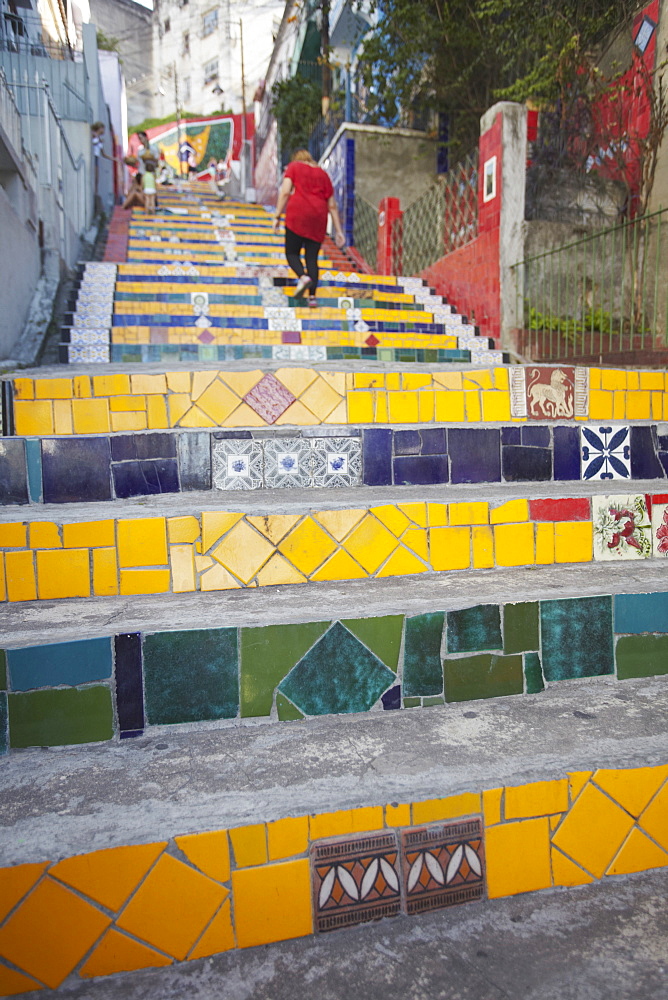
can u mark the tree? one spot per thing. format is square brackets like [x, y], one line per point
[296, 108]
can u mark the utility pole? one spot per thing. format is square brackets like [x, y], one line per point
[243, 111]
[324, 55]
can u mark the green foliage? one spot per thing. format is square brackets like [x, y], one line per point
[572, 330]
[296, 108]
[107, 42]
[152, 122]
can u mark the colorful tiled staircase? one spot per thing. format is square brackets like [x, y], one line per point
[168, 579]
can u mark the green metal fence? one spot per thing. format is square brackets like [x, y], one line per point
[442, 219]
[365, 230]
[602, 294]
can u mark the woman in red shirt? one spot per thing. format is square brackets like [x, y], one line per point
[309, 195]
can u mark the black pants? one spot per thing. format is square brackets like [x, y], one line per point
[293, 248]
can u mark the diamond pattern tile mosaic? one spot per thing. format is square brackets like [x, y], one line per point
[269, 398]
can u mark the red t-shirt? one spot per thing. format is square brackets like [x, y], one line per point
[306, 212]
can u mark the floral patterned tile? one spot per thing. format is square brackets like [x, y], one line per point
[287, 462]
[442, 865]
[337, 461]
[237, 464]
[622, 528]
[660, 526]
[355, 881]
[605, 452]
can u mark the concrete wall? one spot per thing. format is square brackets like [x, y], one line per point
[132, 24]
[19, 261]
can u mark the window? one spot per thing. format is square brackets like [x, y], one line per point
[211, 71]
[185, 85]
[167, 25]
[210, 22]
[186, 43]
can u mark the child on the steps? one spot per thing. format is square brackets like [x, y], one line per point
[148, 185]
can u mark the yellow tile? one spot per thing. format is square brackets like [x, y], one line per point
[81, 388]
[403, 407]
[296, 379]
[638, 854]
[297, 414]
[274, 526]
[495, 406]
[217, 578]
[20, 576]
[108, 876]
[632, 380]
[62, 416]
[23, 388]
[339, 522]
[619, 405]
[320, 399]
[652, 380]
[210, 852]
[370, 543]
[307, 546]
[555, 820]
[243, 551]
[88, 534]
[472, 398]
[511, 511]
[172, 907]
[119, 953]
[33, 418]
[450, 548]
[600, 405]
[369, 818]
[341, 566]
[181, 558]
[518, 857]
[144, 581]
[482, 379]
[44, 535]
[632, 787]
[483, 547]
[392, 518]
[416, 511]
[241, 382]
[594, 378]
[501, 378]
[272, 903]
[593, 831]
[573, 541]
[3, 584]
[337, 380]
[654, 820]
[149, 384]
[50, 932]
[105, 572]
[398, 814]
[219, 935]
[415, 380]
[90, 416]
[612, 378]
[121, 404]
[243, 416]
[249, 845]
[544, 543]
[576, 782]
[142, 542]
[63, 573]
[565, 872]
[360, 407]
[287, 837]
[402, 563]
[183, 530]
[331, 824]
[179, 404]
[438, 515]
[451, 807]
[637, 405]
[129, 422]
[218, 402]
[538, 798]
[53, 388]
[449, 380]
[393, 381]
[426, 406]
[111, 385]
[201, 381]
[492, 801]
[468, 513]
[417, 540]
[178, 382]
[657, 406]
[215, 524]
[16, 882]
[514, 544]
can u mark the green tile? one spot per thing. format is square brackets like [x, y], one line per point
[520, 628]
[436, 700]
[191, 676]
[286, 710]
[267, 655]
[412, 702]
[60, 716]
[4, 741]
[576, 638]
[3, 670]
[474, 629]
[423, 673]
[338, 675]
[381, 635]
[533, 673]
[641, 656]
[468, 678]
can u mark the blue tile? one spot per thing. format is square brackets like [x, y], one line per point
[566, 453]
[129, 686]
[421, 470]
[59, 663]
[475, 455]
[13, 471]
[392, 699]
[637, 613]
[526, 464]
[537, 437]
[34, 462]
[434, 441]
[644, 461]
[407, 443]
[76, 469]
[131, 446]
[134, 479]
[377, 451]
[194, 451]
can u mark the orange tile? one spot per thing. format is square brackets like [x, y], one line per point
[287, 837]
[210, 852]
[219, 935]
[398, 814]
[518, 857]
[369, 818]
[15, 882]
[13, 535]
[13, 983]
[63, 573]
[249, 844]
[20, 576]
[23, 388]
[120, 953]
[109, 876]
[272, 903]
[450, 807]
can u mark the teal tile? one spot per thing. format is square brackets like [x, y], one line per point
[34, 462]
[267, 655]
[286, 710]
[191, 676]
[381, 635]
[60, 716]
[4, 735]
[576, 638]
[70, 663]
[474, 629]
[338, 675]
[468, 678]
[637, 613]
[3, 670]
[641, 656]
[520, 628]
[423, 673]
[533, 673]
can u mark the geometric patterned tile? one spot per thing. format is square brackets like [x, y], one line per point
[606, 452]
[443, 865]
[237, 464]
[86, 353]
[622, 528]
[550, 393]
[355, 881]
[287, 462]
[338, 461]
